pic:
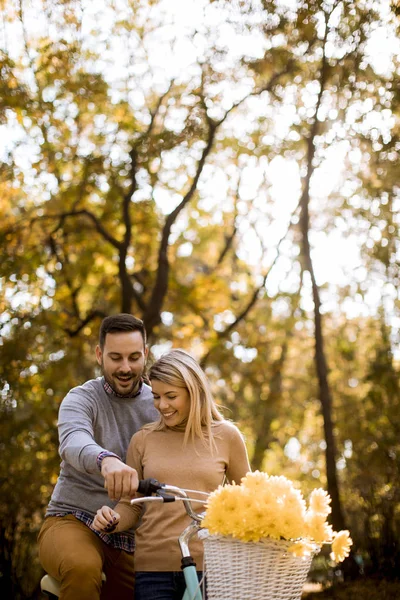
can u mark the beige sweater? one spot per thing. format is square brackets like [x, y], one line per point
[161, 454]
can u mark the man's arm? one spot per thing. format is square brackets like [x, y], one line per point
[124, 516]
[127, 515]
[79, 448]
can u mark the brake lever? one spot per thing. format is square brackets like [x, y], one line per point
[165, 496]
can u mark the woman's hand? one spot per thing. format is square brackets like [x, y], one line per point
[106, 520]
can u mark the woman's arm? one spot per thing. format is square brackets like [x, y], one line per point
[238, 465]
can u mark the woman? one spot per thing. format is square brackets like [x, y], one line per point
[191, 446]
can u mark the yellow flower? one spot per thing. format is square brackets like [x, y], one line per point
[302, 549]
[341, 545]
[317, 528]
[271, 507]
[279, 485]
[292, 525]
[319, 502]
[255, 481]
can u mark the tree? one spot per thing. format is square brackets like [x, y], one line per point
[329, 62]
[132, 184]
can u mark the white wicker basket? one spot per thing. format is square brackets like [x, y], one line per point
[253, 571]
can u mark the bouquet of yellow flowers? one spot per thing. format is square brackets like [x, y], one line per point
[271, 507]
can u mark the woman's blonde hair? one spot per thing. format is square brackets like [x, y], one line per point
[180, 369]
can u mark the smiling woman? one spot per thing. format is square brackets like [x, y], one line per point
[183, 396]
[172, 402]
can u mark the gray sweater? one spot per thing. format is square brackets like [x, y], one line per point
[89, 422]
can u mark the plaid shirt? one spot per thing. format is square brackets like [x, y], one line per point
[121, 541]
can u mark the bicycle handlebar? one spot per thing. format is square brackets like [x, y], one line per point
[166, 493]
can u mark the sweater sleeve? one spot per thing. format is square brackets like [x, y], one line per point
[130, 514]
[238, 465]
[75, 427]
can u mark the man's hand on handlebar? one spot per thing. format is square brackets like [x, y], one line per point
[106, 520]
[119, 480]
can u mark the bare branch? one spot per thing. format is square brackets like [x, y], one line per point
[152, 315]
[265, 88]
[228, 243]
[92, 315]
[74, 291]
[139, 299]
[229, 238]
[254, 297]
[155, 112]
[76, 213]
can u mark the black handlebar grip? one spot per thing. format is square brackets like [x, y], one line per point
[147, 487]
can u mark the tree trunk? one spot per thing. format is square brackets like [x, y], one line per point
[326, 405]
[267, 411]
[320, 359]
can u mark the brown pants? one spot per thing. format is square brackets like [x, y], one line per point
[71, 553]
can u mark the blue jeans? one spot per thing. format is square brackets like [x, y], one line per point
[168, 585]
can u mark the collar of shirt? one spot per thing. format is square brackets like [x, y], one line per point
[111, 392]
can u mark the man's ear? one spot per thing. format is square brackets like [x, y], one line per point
[146, 352]
[99, 354]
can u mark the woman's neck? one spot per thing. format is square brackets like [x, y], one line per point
[179, 427]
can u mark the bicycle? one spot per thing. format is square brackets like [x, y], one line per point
[153, 491]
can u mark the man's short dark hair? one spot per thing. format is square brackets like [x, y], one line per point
[119, 323]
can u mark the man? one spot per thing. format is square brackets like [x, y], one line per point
[96, 422]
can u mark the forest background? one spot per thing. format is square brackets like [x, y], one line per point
[227, 171]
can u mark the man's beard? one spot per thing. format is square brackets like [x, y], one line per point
[135, 379]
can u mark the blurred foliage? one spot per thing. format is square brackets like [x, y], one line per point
[368, 588]
[124, 186]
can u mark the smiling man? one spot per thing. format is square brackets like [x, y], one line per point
[96, 422]
[122, 358]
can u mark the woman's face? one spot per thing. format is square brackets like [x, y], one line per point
[172, 402]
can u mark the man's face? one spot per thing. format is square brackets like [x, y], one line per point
[122, 360]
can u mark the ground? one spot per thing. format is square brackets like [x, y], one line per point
[361, 589]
